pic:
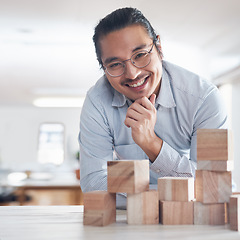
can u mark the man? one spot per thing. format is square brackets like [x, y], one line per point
[143, 107]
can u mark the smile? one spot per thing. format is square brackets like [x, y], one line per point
[137, 84]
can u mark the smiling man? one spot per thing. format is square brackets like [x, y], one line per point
[142, 107]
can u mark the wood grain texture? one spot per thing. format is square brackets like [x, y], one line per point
[99, 217]
[210, 214]
[176, 213]
[214, 144]
[176, 189]
[234, 212]
[99, 208]
[99, 200]
[218, 166]
[128, 176]
[143, 208]
[213, 187]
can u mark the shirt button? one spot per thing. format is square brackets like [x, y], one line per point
[158, 171]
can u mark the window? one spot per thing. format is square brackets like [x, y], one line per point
[51, 143]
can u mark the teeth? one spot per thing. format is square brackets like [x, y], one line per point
[138, 84]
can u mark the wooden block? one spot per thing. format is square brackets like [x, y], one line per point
[234, 212]
[227, 212]
[99, 208]
[219, 166]
[128, 176]
[209, 214]
[213, 187]
[214, 144]
[143, 208]
[176, 213]
[99, 218]
[176, 189]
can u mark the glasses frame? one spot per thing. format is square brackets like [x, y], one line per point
[130, 59]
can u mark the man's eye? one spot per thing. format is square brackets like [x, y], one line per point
[140, 55]
[115, 65]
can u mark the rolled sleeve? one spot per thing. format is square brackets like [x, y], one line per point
[210, 113]
[170, 163]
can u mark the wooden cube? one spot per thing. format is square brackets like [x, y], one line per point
[213, 187]
[99, 208]
[128, 176]
[176, 213]
[214, 144]
[143, 208]
[210, 214]
[218, 166]
[176, 189]
[234, 212]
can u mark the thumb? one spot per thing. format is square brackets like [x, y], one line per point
[153, 99]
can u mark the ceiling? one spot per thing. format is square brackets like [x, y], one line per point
[46, 47]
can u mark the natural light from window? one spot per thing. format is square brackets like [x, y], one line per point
[51, 143]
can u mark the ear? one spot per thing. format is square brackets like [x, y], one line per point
[159, 46]
[158, 42]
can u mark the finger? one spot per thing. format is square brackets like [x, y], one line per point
[137, 107]
[153, 99]
[145, 102]
[134, 114]
[129, 122]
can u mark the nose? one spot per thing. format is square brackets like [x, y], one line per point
[131, 72]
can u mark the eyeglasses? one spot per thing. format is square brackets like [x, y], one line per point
[139, 59]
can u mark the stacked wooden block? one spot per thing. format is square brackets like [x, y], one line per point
[213, 176]
[132, 177]
[234, 212]
[125, 176]
[99, 208]
[176, 195]
[174, 203]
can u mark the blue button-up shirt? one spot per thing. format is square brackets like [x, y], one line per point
[185, 103]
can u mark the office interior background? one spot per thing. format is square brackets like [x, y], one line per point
[48, 63]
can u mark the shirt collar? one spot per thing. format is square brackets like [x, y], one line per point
[165, 97]
[119, 99]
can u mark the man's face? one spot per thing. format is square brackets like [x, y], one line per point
[121, 45]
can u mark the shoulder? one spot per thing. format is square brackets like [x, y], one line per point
[98, 103]
[187, 82]
[101, 93]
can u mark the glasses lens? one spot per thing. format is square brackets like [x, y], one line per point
[141, 59]
[115, 68]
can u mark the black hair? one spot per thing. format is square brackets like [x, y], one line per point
[117, 20]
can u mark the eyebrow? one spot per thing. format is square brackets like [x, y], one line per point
[111, 59]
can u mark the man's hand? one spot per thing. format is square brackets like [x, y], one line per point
[141, 118]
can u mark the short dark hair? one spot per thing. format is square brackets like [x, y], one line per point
[117, 20]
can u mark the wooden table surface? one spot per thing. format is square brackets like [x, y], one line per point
[66, 223]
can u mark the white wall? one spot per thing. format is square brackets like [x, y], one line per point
[19, 133]
[231, 95]
[236, 131]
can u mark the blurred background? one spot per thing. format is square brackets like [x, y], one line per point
[48, 62]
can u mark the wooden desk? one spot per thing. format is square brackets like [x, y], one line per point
[66, 223]
[72, 194]
[58, 187]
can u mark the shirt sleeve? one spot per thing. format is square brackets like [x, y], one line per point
[96, 146]
[211, 113]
